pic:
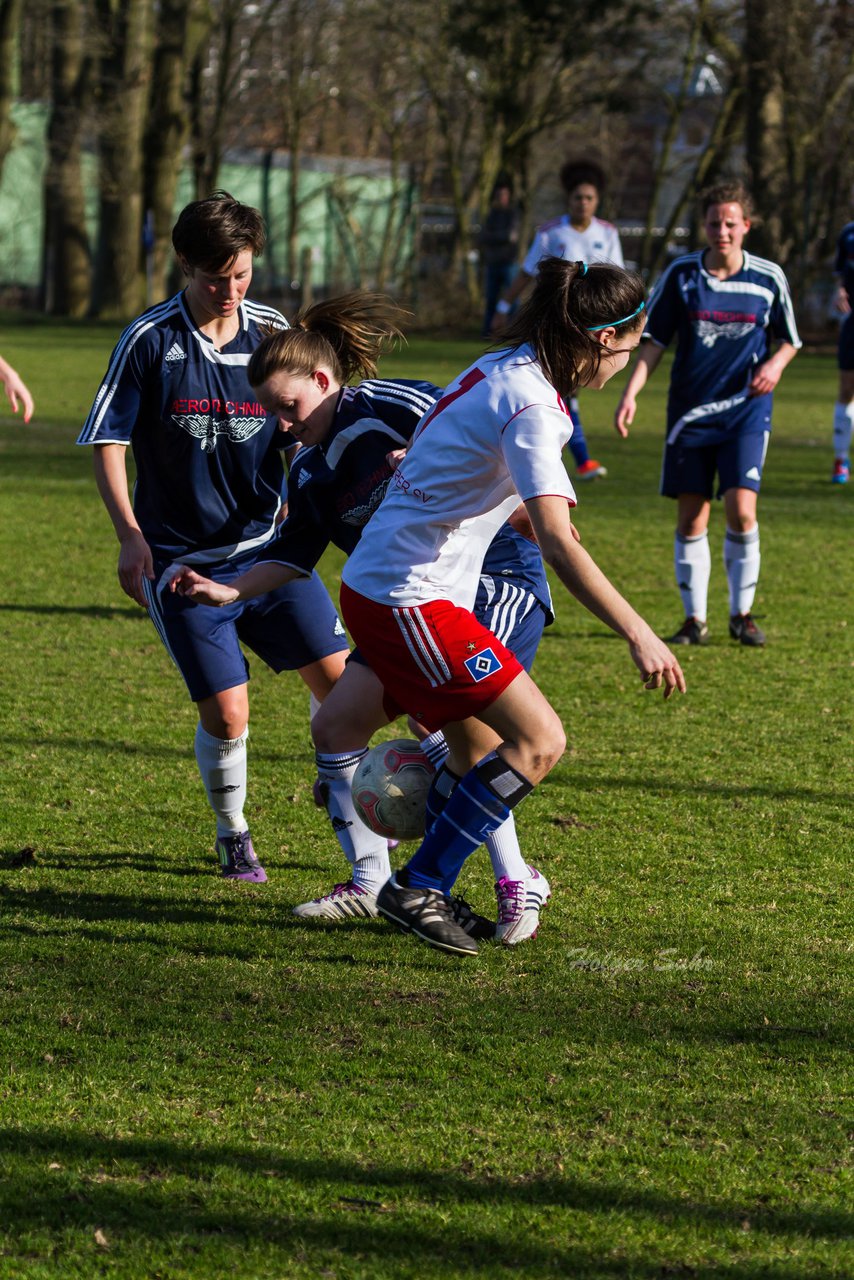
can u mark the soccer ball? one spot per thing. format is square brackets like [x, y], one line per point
[390, 789]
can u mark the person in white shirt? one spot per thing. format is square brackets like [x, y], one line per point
[496, 436]
[576, 234]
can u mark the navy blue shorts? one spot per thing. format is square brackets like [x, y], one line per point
[733, 449]
[288, 628]
[512, 614]
[846, 343]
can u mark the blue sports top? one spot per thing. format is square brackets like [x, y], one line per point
[208, 456]
[723, 330]
[334, 487]
[845, 260]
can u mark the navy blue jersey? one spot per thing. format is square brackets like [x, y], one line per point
[510, 555]
[724, 329]
[335, 487]
[845, 260]
[208, 462]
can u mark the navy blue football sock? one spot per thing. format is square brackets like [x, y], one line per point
[577, 441]
[441, 789]
[481, 802]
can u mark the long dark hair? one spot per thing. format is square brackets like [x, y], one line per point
[347, 333]
[569, 301]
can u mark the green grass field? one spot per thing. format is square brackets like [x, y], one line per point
[196, 1085]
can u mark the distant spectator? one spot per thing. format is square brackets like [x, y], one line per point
[577, 235]
[498, 242]
[16, 389]
[843, 413]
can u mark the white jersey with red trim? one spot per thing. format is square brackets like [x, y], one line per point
[600, 242]
[495, 437]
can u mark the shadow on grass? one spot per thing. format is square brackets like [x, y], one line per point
[356, 1209]
[81, 610]
[81, 909]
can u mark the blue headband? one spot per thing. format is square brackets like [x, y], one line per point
[612, 324]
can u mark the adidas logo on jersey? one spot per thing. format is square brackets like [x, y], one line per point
[752, 474]
[175, 353]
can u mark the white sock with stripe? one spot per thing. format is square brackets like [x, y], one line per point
[222, 765]
[366, 852]
[843, 422]
[692, 561]
[741, 559]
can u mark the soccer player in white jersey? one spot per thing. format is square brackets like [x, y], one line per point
[495, 436]
[843, 412]
[577, 234]
[209, 475]
[727, 309]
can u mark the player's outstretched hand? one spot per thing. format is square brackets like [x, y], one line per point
[186, 582]
[624, 415]
[16, 390]
[658, 667]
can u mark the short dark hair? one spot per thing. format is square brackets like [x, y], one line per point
[576, 172]
[727, 191]
[210, 233]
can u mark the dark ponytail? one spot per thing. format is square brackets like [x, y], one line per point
[570, 301]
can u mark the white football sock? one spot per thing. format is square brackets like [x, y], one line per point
[741, 559]
[435, 748]
[222, 764]
[366, 852]
[692, 561]
[843, 422]
[505, 854]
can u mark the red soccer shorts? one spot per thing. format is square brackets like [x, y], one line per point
[435, 659]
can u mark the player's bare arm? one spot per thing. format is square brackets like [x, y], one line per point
[769, 373]
[580, 574]
[255, 582]
[135, 559]
[648, 359]
[16, 389]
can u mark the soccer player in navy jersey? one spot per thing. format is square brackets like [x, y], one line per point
[727, 309]
[209, 478]
[352, 438]
[576, 234]
[843, 413]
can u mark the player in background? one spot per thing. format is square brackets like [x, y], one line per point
[495, 436]
[726, 308]
[578, 233]
[16, 389]
[351, 438]
[843, 412]
[209, 477]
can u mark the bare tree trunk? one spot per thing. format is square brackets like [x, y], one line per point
[125, 30]
[66, 257]
[10, 17]
[764, 132]
[181, 29]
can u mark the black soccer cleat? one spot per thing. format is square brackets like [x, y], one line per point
[428, 914]
[692, 631]
[743, 628]
[475, 925]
